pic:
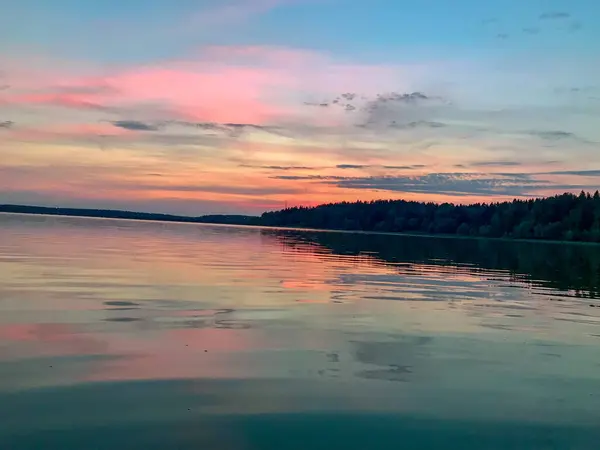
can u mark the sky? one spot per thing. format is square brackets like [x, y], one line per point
[240, 106]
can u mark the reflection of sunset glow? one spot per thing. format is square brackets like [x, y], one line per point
[164, 301]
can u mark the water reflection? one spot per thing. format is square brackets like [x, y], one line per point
[179, 334]
[570, 268]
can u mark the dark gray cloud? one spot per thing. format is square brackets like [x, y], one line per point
[339, 166]
[136, 125]
[229, 129]
[225, 129]
[384, 109]
[411, 167]
[397, 97]
[582, 173]
[457, 184]
[208, 126]
[7, 124]
[284, 168]
[382, 100]
[496, 164]
[416, 124]
[553, 135]
[460, 184]
[352, 166]
[555, 15]
[307, 177]
[401, 111]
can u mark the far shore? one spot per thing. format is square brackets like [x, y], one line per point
[190, 220]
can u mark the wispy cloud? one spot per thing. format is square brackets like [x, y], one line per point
[232, 12]
[554, 15]
[135, 125]
[351, 166]
[496, 164]
[417, 124]
[241, 190]
[581, 173]
[276, 168]
[554, 135]
[7, 124]
[459, 184]
[411, 167]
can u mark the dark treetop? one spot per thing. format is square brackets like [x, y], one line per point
[562, 217]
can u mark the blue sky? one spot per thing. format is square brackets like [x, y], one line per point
[509, 99]
[435, 27]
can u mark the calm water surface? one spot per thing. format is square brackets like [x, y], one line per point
[139, 335]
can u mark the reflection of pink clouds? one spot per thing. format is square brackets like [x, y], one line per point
[52, 338]
[182, 353]
[173, 353]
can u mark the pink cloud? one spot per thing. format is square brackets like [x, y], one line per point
[249, 84]
[66, 100]
[195, 92]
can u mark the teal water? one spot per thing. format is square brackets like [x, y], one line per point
[143, 335]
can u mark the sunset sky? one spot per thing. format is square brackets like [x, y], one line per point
[241, 106]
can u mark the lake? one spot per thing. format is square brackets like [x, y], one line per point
[147, 335]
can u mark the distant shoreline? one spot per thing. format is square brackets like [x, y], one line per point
[213, 220]
[233, 219]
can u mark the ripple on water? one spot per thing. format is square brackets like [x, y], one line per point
[192, 328]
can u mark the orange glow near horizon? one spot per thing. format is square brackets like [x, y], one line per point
[248, 129]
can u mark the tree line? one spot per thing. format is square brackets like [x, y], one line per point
[567, 217]
[561, 217]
